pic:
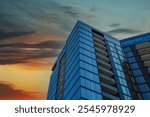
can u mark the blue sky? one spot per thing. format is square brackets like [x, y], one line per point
[33, 32]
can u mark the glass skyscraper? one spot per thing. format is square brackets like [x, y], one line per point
[96, 66]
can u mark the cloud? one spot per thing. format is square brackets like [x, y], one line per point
[115, 25]
[10, 92]
[21, 52]
[124, 31]
[72, 11]
[4, 35]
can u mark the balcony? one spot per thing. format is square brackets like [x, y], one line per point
[100, 51]
[98, 36]
[103, 64]
[107, 79]
[99, 41]
[109, 89]
[145, 57]
[108, 96]
[147, 63]
[105, 71]
[143, 45]
[101, 57]
[100, 46]
[144, 51]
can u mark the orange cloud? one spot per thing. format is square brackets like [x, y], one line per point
[10, 92]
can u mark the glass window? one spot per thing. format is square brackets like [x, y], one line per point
[131, 60]
[87, 53]
[111, 44]
[129, 54]
[125, 90]
[118, 66]
[88, 67]
[146, 96]
[112, 49]
[127, 49]
[134, 65]
[118, 47]
[116, 60]
[144, 88]
[114, 54]
[122, 81]
[89, 75]
[88, 59]
[127, 97]
[137, 72]
[120, 73]
[89, 48]
[140, 79]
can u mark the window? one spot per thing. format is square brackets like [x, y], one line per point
[137, 72]
[116, 60]
[129, 54]
[125, 90]
[122, 81]
[114, 54]
[111, 44]
[118, 47]
[117, 66]
[140, 79]
[131, 60]
[134, 65]
[120, 73]
[127, 49]
[144, 88]
[88, 67]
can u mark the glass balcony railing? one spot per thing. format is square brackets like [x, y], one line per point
[103, 63]
[109, 96]
[99, 41]
[100, 51]
[105, 71]
[109, 89]
[98, 36]
[104, 58]
[100, 46]
[107, 79]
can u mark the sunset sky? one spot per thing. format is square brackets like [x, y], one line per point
[33, 32]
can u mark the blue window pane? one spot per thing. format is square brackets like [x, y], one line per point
[125, 90]
[88, 59]
[120, 73]
[89, 67]
[144, 88]
[122, 81]
[134, 65]
[131, 60]
[137, 72]
[118, 66]
[140, 79]
[146, 96]
[127, 49]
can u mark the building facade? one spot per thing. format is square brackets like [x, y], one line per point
[96, 66]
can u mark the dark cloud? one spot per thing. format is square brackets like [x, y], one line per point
[52, 44]
[72, 11]
[20, 52]
[4, 35]
[115, 25]
[9, 92]
[123, 30]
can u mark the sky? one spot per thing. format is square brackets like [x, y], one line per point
[33, 32]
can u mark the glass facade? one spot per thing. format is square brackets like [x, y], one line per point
[95, 66]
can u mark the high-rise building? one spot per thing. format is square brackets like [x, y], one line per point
[96, 66]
